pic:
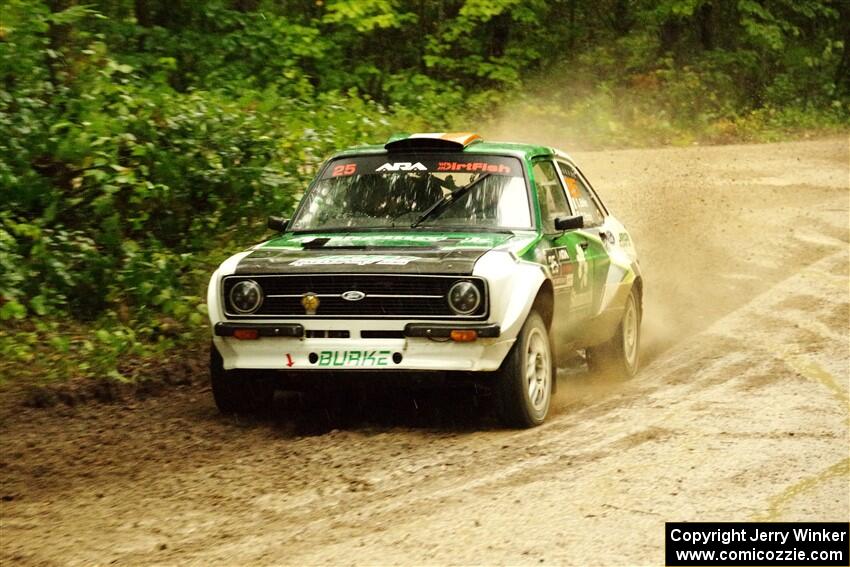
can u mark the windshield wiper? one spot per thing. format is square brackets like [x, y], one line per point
[447, 200]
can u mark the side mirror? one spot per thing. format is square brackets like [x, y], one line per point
[569, 223]
[277, 224]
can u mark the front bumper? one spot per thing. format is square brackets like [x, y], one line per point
[280, 348]
[296, 330]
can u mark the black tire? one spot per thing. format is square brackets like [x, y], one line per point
[239, 391]
[523, 394]
[619, 357]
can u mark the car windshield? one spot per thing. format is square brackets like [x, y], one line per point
[395, 190]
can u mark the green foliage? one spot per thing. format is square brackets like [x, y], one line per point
[512, 28]
[368, 15]
[141, 142]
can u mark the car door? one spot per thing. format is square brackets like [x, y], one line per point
[564, 252]
[591, 239]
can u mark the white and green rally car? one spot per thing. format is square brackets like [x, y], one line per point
[434, 253]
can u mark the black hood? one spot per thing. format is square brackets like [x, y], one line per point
[392, 260]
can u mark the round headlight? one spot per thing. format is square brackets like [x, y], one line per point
[246, 296]
[464, 298]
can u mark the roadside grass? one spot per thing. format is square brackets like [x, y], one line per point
[53, 361]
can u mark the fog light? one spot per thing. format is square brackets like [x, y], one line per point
[464, 335]
[246, 334]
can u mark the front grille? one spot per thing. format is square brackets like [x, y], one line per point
[317, 334]
[386, 296]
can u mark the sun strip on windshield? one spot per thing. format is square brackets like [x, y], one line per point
[424, 163]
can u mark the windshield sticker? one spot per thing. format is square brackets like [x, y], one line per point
[423, 238]
[344, 169]
[572, 186]
[473, 166]
[356, 260]
[434, 164]
[402, 166]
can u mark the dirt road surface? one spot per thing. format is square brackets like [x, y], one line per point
[739, 413]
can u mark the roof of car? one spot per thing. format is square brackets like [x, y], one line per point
[460, 142]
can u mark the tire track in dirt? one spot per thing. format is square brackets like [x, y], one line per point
[651, 388]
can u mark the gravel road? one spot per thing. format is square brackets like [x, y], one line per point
[741, 412]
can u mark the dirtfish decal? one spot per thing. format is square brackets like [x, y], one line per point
[356, 260]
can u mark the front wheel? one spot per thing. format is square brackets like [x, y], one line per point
[620, 355]
[238, 391]
[524, 383]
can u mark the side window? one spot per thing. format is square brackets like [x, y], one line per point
[550, 194]
[581, 197]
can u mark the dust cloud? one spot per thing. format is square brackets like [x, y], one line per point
[711, 228]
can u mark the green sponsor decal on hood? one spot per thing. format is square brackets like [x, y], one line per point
[442, 241]
[414, 252]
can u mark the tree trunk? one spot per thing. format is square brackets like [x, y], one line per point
[57, 36]
[573, 33]
[143, 13]
[246, 5]
[622, 18]
[669, 33]
[500, 30]
[705, 21]
[842, 76]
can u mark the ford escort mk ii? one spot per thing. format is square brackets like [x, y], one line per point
[432, 254]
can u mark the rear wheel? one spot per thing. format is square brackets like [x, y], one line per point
[524, 383]
[238, 391]
[620, 355]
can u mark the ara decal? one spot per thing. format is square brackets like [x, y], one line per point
[402, 166]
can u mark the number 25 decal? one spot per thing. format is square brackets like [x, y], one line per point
[345, 169]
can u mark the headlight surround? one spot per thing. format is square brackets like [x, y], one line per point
[464, 298]
[246, 296]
